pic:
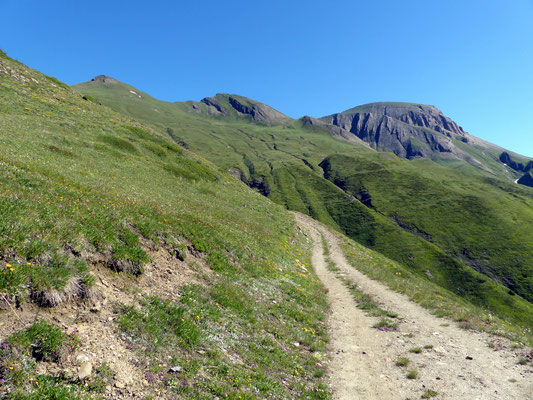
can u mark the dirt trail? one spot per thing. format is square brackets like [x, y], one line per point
[461, 365]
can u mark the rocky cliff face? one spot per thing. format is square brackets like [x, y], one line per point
[517, 166]
[233, 105]
[408, 130]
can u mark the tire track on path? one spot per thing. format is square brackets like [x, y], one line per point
[460, 364]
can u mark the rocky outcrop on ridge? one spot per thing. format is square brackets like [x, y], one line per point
[242, 107]
[517, 166]
[104, 79]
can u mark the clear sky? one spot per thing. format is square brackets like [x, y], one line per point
[473, 59]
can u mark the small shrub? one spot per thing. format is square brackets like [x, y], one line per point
[220, 263]
[44, 340]
[415, 350]
[402, 362]
[191, 170]
[522, 361]
[136, 131]
[130, 253]
[60, 151]
[366, 305]
[412, 374]
[429, 394]
[386, 325]
[156, 149]
[428, 346]
[465, 325]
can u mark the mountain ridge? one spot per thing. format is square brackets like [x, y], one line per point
[408, 130]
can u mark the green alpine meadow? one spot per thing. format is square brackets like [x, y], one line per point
[452, 212]
[156, 250]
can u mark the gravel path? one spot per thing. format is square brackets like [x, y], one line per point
[460, 364]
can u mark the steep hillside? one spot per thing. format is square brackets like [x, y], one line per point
[474, 223]
[287, 163]
[132, 268]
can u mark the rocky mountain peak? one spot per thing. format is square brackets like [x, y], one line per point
[425, 116]
[406, 129]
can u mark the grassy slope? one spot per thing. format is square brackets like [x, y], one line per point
[277, 153]
[441, 302]
[473, 221]
[77, 178]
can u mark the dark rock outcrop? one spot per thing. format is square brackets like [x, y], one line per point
[210, 102]
[506, 159]
[257, 183]
[365, 198]
[526, 180]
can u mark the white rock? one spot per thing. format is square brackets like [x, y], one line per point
[82, 359]
[85, 370]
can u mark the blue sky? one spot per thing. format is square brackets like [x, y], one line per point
[473, 59]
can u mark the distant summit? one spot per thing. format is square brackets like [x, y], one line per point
[104, 79]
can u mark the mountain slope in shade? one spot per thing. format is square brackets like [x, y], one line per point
[526, 180]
